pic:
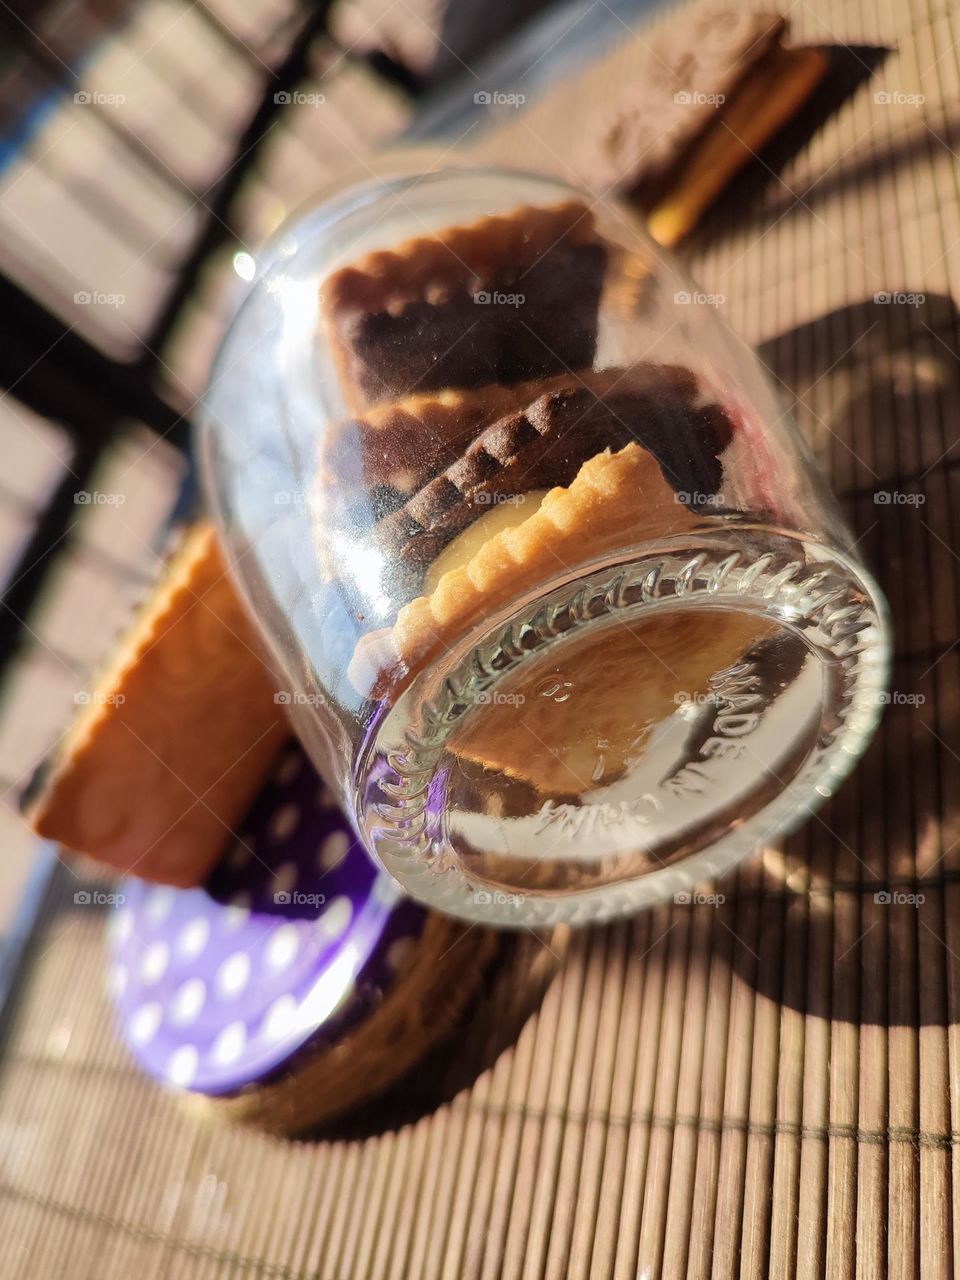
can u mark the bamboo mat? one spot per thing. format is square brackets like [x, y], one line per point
[766, 1087]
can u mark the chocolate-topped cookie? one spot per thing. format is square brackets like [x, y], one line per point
[545, 444]
[499, 301]
[397, 446]
[688, 77]
[715, 87]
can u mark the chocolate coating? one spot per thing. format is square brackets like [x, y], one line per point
[461, 342]
[547, 443]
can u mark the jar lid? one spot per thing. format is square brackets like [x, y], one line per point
[294, 939]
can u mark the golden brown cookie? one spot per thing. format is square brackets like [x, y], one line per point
[616, 500]
[617, 685]
[166, 757]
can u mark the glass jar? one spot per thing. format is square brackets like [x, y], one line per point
[565, 613]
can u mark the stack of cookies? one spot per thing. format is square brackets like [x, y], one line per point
[484, 449]
[485, 454]
[486, 444]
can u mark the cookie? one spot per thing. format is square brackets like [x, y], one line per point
[546, 443]
[772, 95]
[176, 739]
[625, 680]
[615, 500]
[503, 300]
[709, 96]
[397, 446]
[297, 982]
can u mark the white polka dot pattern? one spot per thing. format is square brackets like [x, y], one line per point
[293, 941]
[188, 1002]
[183, 1065]
[280, 1020]
[228, 1045]
[233, 975]
[193, 938]
[333, 850]
[283, 947]
[146, 1020]
[285, 878]
[284, 822]
[336, 917]
[160, 903]
[154, 963]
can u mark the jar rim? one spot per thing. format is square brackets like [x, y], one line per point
[814, 592]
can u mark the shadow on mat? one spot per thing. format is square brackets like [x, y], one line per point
[842, 923]
[852, 922]
[872, 385]
[518, 978]
[849, 66]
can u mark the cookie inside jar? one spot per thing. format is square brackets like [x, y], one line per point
[494, 442]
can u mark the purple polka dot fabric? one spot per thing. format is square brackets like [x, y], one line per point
[293, 940]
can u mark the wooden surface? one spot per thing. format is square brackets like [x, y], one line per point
[767, 1087]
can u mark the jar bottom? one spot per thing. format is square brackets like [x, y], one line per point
[628, 733]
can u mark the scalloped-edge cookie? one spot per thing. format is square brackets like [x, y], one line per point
[171, 747]
[505, 299]
[615, 500]
[401, 444]
[544, 445]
